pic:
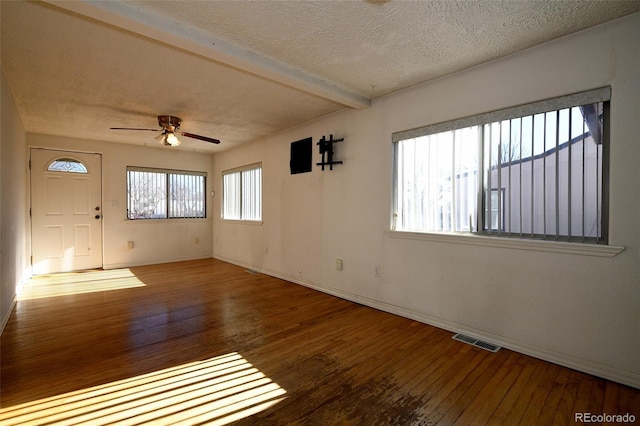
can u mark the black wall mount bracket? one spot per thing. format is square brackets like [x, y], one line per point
[326, 149]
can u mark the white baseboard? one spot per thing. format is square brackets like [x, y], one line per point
[620, 376]
[7, 315]
[151, 262]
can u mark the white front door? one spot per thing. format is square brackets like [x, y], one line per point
[66, 211]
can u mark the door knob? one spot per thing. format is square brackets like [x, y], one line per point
[98, 208]
[97, 216]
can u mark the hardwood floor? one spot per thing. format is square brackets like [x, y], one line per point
[208, 342]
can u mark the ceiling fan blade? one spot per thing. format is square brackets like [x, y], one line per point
[202, 138]
[134, 128]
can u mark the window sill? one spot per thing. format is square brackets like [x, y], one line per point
[512, 243]
[169, 220]
[243, 222]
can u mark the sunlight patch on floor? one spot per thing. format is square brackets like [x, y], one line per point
[82, 282]
[219, 390]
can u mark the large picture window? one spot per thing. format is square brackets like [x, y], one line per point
[535, 171]
[165, 194]
[242, 193]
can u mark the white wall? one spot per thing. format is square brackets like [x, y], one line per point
[155, 241]
[13, 210]
[576, 310]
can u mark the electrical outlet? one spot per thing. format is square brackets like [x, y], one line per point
[338, 264]
[197, 240]
[378, 272]
[129, 245]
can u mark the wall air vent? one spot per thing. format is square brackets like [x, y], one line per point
[475, 342]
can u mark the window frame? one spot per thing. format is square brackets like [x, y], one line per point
[167, 192]
[499, 210]
[490, 237]
[240, 170]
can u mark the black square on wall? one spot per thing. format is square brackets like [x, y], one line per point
[301, 156]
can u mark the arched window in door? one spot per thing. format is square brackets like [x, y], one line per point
[68, 165]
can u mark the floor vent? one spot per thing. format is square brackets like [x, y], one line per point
[475, 342]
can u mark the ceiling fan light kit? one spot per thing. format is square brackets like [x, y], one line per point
[168, 139]
[169, 125]
[172, 140]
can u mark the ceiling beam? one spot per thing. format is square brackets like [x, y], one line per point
[192, 40]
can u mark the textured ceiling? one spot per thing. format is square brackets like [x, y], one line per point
[392, 44]
[242, 70]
